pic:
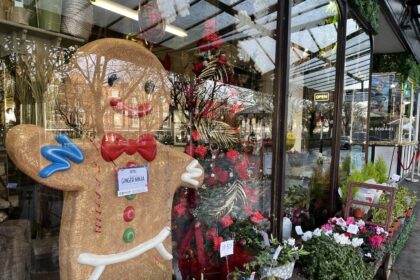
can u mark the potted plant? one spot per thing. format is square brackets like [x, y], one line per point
[276, 260]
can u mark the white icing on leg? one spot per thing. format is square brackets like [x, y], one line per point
[101, 261]
[192, 172]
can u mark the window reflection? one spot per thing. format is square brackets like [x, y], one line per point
[311, 104]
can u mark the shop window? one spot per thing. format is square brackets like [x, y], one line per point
[219, 58]
[310, 114]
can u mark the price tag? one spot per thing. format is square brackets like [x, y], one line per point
[11, 186]
[226, 248]
[265, 238]
[277, 253]
[299, 230]
[353, 229]
[19, 3]
[132, 180]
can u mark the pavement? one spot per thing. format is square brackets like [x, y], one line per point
[407, 265]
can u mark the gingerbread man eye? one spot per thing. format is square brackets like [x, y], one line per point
[112, 78]
[149, 87]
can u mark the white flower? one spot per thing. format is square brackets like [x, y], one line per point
[341, 222]
[317, 232]
[291, 242]
[341, 239]
[356, 242]
[360, 223]
[307, 236]
[295, 248]
[328, 232]
[379, 230]
[369, 255]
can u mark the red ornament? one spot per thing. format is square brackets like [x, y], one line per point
[198, 67]
[129, 214]
[226, 221]
[200, 151]
[216, 242]
[180, 210]
[257, 218]
[210, 234]
[222, 59]
[232, 155]
[195, 135]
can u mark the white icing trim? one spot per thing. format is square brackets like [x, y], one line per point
[101, 261]
[192, 172]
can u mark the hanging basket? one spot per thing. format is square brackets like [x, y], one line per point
[77, 18]
[282, 272]
[49, 14]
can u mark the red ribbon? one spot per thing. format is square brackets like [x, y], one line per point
[113, 145]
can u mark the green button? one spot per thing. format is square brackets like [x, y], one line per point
[130, 197]
[129, 235]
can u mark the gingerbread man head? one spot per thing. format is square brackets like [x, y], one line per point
[114, 226]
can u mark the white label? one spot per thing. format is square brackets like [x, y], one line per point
[226, 248]
[265, 238]
[11, 186]
[353, 229]
[132, 180]
[252, 277]
[277, 253]
[19, 3]
[395, 177]
[299, 230]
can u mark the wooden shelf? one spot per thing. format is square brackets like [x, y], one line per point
[7, 26]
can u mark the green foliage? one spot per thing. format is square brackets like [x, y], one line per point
[369, 171]
[403, 237]
[369, 10]
[289, 253]
[356, 177]
[329, 261]
[297, 196]
[381, 171]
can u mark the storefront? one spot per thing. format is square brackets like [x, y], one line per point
[270, 97]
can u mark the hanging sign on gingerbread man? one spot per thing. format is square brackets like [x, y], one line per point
[118, 181]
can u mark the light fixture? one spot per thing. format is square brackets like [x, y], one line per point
[130, 13]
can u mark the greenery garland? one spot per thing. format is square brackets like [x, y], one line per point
[369, 10]
[403, 238]
[402, 63]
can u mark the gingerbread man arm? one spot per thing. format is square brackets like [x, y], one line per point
[24, 144]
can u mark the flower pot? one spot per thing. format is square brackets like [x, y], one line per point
[409, 212]
[396, 224]
[283, 271]
[358, 213]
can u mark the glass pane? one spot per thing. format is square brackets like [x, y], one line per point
[202, 83]
[310, 116]
[355, 100]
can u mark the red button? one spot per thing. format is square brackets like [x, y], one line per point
[129, 214]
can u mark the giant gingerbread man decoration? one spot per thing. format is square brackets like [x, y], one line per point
[103, 235]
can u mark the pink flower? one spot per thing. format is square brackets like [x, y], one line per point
[200, 151]
[257, 218]
[340, 222]
[376, 241]
[350, 220]
[327, 227]
[216, 242]
[226, 221]
[180, 210]
[232, 155]
[210, 234]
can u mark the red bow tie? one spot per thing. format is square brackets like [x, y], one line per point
[113, 145]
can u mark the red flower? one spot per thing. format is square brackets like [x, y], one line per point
[222, 175]
[376, 241]
[180, 210]
[257, 218]
[210, 234]
[189, 150]
[216, 242]
[226, 221]
[347, 234]
[241, 167]
[232, 155]
[200, 151]
[363, 230]
[210, 180]
[195, 135]
[198, 67]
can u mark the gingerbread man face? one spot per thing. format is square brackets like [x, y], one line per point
[121, 89]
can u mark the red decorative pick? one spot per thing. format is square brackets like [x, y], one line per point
[122, 108]
[113, 145]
